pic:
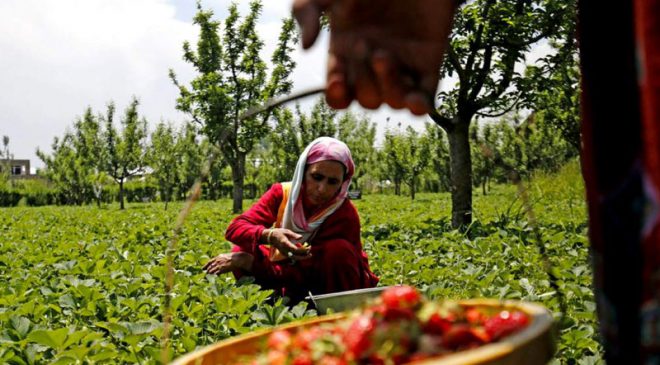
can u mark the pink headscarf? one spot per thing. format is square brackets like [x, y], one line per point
[321, 149]
[330, 149]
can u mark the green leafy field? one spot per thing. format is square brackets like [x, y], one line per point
[86, 285]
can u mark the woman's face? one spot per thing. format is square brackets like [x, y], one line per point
[322, 181]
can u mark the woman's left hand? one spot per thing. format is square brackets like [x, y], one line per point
[281, 239]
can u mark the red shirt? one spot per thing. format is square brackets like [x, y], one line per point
[338, 262]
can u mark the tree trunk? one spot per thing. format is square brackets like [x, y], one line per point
[412, 189]
[238, 178]
[121, 194]
[461, 174]
[397, 187]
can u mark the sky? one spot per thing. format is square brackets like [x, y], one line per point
[58, 57]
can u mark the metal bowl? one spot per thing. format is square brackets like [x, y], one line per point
[344, 300]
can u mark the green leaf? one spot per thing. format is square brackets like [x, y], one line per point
[21, 325]
[140, 328]
[43, 337]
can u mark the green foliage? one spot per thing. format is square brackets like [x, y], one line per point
[231, 78]
[488, 47]
[294, 131]
[162, 159]
[86, 284]
[67, 171]
[405, 156]
[359, 134]
[125, 149]
[83, 284]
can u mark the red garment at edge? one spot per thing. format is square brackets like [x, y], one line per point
[337, 263]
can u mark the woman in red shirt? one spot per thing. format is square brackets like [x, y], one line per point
[302, 236]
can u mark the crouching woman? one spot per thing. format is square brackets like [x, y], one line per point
[302, 236]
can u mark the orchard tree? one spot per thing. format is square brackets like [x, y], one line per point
[359, 134]
[125, 149]
[286, 142]
[294, 131]
[557, 83]
[485, 152]
[88, 143]
[163, 159]
[438, 155]
[415, 157]
[214, 179]
[321, 122]
[64, 169]
[191, 157]
[75, 164]
[392, 167]
[232, 77]
[5, 170]
[489, 41]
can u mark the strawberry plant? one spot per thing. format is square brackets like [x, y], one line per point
[83, 284]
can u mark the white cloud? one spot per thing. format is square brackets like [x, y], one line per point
[61, 56]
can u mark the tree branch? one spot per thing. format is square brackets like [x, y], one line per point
[452, 57]
[442, 121]
[483, 73]
[513, 104]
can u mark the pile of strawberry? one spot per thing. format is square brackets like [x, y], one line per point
[398, 328]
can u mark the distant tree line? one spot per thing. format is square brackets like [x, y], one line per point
[101, 159]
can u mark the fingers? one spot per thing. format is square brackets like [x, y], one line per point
[291, 250]
[418, 103]
[295, 251]
[218, 265]
[393, 87]
[337, 93]
[367, 92]
[307, 14]
[291, 234]
[217, 270]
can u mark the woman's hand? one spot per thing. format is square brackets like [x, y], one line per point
[227, 262]
[282, 239]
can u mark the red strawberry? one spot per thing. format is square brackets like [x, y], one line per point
[394, 314]
[332, 360]
[437, 325]
[356, 337]
[304, 358]
[276, 357]
[474, 316]
[279, 340]
[505, 323]
[480, 333]
[304, 338]
[460, 336]
[401, 297]
[418, 356]
[376, 360]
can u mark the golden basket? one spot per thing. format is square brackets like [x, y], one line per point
[531, 346]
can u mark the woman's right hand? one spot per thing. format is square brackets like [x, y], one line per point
[282, 239]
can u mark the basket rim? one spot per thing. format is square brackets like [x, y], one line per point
[541, 323]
